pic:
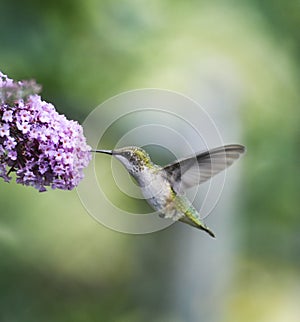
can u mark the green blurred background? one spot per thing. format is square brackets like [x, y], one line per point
[58, 264]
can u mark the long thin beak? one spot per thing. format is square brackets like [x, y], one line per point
[103, 151]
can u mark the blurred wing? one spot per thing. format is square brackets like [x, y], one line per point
[192, 171]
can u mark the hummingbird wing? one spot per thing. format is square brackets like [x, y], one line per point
[186, 173]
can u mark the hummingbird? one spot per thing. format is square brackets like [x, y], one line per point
[164, 187]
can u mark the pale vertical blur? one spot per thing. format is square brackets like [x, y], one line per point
[239, 61]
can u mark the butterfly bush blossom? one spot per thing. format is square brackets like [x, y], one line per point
[41, 146]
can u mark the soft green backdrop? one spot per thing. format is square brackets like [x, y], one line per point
[57, 263]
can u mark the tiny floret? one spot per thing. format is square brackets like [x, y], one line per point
[43, 148]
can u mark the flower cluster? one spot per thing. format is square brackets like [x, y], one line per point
[41, 146]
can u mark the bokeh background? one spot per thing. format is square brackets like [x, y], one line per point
[238, 59]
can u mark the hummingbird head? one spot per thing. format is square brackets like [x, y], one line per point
[133, 158]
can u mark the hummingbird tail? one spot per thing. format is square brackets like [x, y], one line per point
[198, 224]
[205, 228]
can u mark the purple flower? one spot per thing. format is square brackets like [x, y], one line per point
[7, 116]
[42, 147]
[4, 129]
[24, 116]
[10, 143]
[12, 155]
[23, 127]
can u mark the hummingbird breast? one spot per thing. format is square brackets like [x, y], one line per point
[155, 188]
[159, 193]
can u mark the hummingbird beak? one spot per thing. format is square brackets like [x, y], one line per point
[103, 151]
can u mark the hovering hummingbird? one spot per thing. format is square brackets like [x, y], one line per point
[163, 187]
